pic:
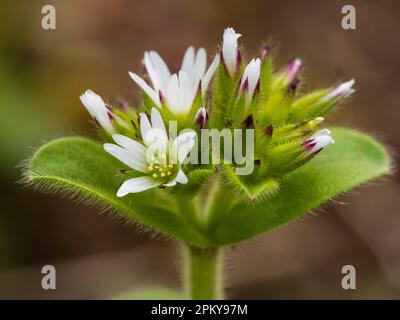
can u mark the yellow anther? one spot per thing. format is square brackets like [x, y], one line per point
[155, 175]
[150, 168]
[170, 166]
[162, 175]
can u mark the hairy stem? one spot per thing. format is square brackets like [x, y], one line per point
[203, 273]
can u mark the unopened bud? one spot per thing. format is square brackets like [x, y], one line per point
[318, 141]
[341, 91]
[201, 117]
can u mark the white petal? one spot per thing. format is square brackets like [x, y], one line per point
[136, 185]
[89, 99]
[184, 150]
[185, 143]
[157, 142]
[157, 121]
[200, 63]
[126, 157]
[152, 72]
[188, 61]
[129, 144]
[323, 132]
[136, 150]
[209, 74]
[146, 88]
[181, 177]
[145, 127]
[157, 70]
[186, 136]
[173, 98]
[161, 68]
[181, 140]
[186, 91]
[170, 184]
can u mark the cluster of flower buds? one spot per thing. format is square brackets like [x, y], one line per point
[286, 124]
[228, 94]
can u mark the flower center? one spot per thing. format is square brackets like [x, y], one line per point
[159, 168]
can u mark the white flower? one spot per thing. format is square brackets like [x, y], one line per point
[342, 91]
[250, 79]
[318, 141]
[98, 110]
[230, 51]
[194, 64]
[177, 91]
[159, 158]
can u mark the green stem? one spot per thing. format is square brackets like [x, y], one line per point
[203, 273]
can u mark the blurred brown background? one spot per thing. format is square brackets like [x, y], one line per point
[42, 74]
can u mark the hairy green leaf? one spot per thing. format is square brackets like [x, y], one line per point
[80, 166]
[354, 159]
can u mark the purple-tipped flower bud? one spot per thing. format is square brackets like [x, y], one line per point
[265, 51]
[250, 79]
[293, 85]
[292, 69]
[99, 111]
[122, 104]
[201, 117]
[341, 91]
[318, 141]
[230, 51]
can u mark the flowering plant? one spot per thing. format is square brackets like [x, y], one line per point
[158, 168]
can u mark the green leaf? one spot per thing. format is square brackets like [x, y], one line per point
[82, 167]
[149, 294]
[354, 159]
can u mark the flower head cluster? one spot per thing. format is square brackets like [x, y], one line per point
[250, 96]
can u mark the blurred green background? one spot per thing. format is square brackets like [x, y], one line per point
[42, 74]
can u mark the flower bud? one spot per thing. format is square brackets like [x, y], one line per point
[318, 141]
[293, 85]
[230, 51]
[340, 92]
[97, 108]
[250, 79]
[201, 117]
[292, 69]
[265, 51]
